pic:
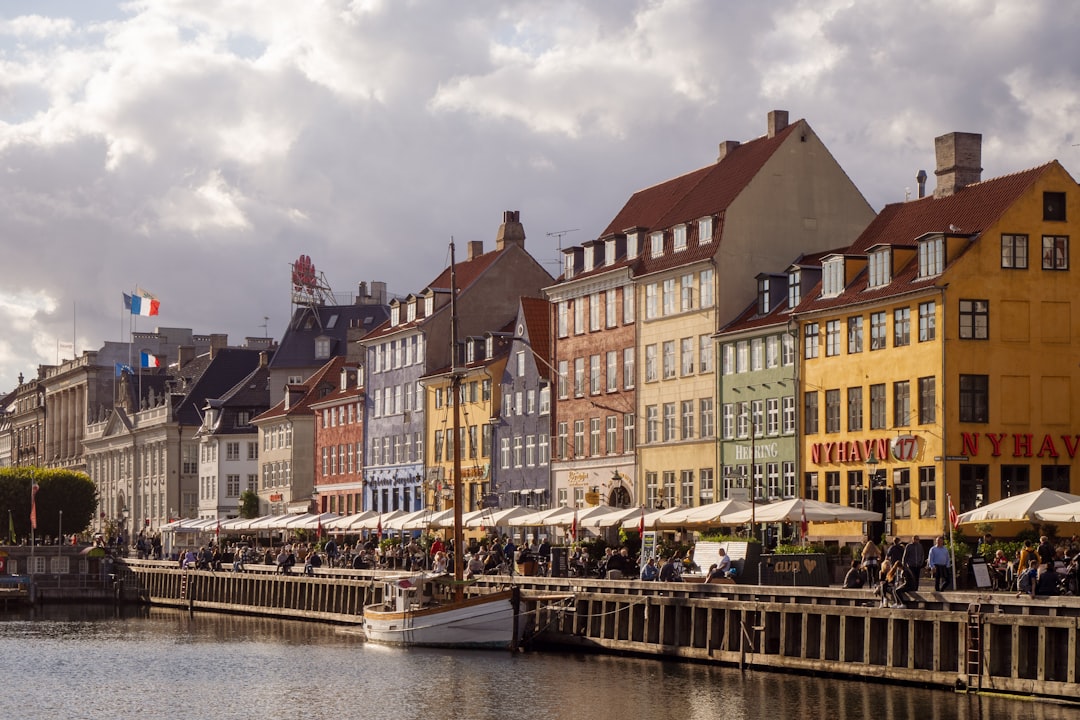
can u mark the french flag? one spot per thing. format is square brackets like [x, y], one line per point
[139, 305]
[150, 361]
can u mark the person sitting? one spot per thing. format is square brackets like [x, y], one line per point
[668, 572]
[475, 567]
[239, 556]
[903, 581]
[885, 580]
[713, 573]
[618, 565]
[314, 560]
[1027, 581]
[855, 577]
[649, 571]
[999, 570]
[723, 565]
[1048, 581]
[439, 563]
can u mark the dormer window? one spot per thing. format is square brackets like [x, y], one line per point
[609, 252]
[931, 256]
[410, 310]
[794, 288]
[568, 265]
[656, 248]
[679, 238]
[429, 306]
[764, 300]
[832, 277]
[704, 230]
[395, 315]
[880, 268]
[470, 351]
[489, 346]
[589, 257]
[631, 245]
[322, 348]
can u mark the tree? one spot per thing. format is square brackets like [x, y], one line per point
[59, 491]
[249, 504]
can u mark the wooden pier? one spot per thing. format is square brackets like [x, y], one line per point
[978, 642]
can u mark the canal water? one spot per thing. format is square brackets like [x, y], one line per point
[63, 662]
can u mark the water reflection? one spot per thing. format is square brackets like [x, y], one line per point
[158, 663]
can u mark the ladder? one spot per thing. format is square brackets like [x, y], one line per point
[974, 647]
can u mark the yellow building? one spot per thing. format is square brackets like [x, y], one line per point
[939, 353]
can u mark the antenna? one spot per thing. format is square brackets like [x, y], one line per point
[558, 234]
[265, 325]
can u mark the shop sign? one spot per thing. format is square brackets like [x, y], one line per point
[1021, 445]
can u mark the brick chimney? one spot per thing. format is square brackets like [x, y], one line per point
[475, 249]
[726, 147]
[184, 355]
[511, 232]
[778, 120]
[959, 162]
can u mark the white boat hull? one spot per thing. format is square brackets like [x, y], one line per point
[481, 622]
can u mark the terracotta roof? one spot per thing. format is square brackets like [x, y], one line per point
[701, 192]
[536, 314]
[969, 212]
[328, 373]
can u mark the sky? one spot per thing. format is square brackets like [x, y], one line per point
[196, 148]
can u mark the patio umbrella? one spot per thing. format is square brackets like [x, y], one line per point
[792, 511]
[407, 521]
[711, 514]
[1019, 507]
[1061, 513]
[652, 519]
[345, 522]
[603, 516]
[373, 522]
[537, 518]
[494, 517]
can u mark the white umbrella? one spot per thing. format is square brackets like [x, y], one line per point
[312, 521]
[711, 514]
[1019, 507]
[652, 519]
[605, 516]
[345, 522]
[273, 522]
[372, 523]
[792, 511]
[1061, 513]
[407, 521]
[494, 517]
[538, 518]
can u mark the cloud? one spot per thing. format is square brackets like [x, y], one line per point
[199, 146]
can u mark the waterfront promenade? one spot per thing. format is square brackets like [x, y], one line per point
[979, 641]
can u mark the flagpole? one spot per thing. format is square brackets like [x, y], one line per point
[952, 552]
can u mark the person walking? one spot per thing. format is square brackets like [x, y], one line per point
[915, 558]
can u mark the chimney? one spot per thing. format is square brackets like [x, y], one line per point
[264, 359]
[726, 147]
[921, 179]
[778, 120]
[378, 292]
[475, 249]
[511, 232]
[959, 162]
[362, 294]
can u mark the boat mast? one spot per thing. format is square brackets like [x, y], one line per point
[455, 403]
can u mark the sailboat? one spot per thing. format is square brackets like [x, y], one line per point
[418, 609]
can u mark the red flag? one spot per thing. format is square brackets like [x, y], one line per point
[804, 526]
[641, 523]
[318, 530]
[379, 528]
[573, 527]
[954, 519]
[33, 506]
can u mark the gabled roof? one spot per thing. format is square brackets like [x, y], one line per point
[536, 314]
[969, 211]
[218, 375]
[323, 378]
[702, 192]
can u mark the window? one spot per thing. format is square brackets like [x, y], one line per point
[686, 488]
[708, 428]
[794, 289]
[686, 292]
[728, 428]
[518, 452]
[561, 439]
[854, 334]
[612, 434]
[764, 298]
[787, 350]
[595, 378]
[706, 485]
[579, 377]
[927, 400]
[974, 319]
[704, 231]
[878, 328]
[810, 412]
[686, 350]
[612, 383]
[901, 327]
[832, 411]
[974, 398]
[530, 451]
[627, 305]
[880, 268]
[810, 486]
[594, 436]
[669, 296]
[854, 409]
[579, 438]
[564, 371]
[927, 321]
[832, 487]
[562, 318]
[757, 354]
[1055, 252]
[579, 316]
[1014, 251]
[629, 440]
[705, 354]
[232, 451]
[877, 407]
[706, 291]
[788, 415]
[669, 422]
[1054, 206]
[650, 363]
[901, 403]
[669, 359]
[810, 341]
[832, 277]
[656, 244]
[545, 399]
[932, 256]
[652, 424]
[927, 492]
[678, 234]
[772, 416]
[594, 312]
[652, 496]
[772, 351]
[628, 368]
[832, 338]
[543, 455]
[609, 308]
[650, 301]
